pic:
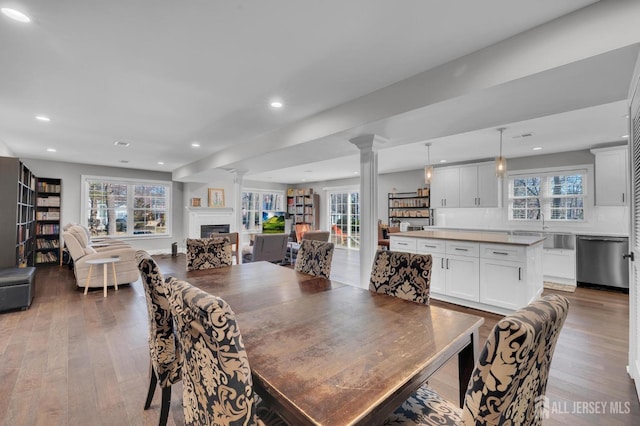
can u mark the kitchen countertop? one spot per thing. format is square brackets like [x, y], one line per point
[546, 231]
[479, 237]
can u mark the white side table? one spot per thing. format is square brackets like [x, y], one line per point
[104, 262]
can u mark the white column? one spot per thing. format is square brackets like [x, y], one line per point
[368, 146]
[238, 177]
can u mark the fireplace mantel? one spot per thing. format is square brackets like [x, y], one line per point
[198, 216]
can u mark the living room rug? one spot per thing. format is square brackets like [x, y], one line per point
[560, 287]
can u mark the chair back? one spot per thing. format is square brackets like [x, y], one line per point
[269, 247]
[403, 275]
[316, 235]
[217, 384]
[233, 238]
[301, 229]
[512, 371]
[165, 355]
[208, 253]
[314, 258]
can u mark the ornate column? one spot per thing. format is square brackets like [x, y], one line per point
[238, 177]
[368, 146]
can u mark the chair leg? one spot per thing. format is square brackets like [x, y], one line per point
[153, 382]
[164, 408]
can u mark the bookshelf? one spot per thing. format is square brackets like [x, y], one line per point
[17, 184]
[303, 207]
[47, 235]
[410, 206]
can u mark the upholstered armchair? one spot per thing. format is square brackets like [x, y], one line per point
[267, 247]
[403, 275]
[208, 253]
[126, 268]
[510, 376]
[314, 258]
[83, 235]
[216, 376]
[164, 353]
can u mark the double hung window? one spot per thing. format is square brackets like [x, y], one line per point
[557, 196]
[126, 207]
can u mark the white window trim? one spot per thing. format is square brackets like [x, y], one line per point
[283, 194]
[550, 171]
[84, 199]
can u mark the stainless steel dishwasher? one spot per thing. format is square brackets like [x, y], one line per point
[600, 260]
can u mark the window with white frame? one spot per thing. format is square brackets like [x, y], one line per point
[126, 207]
[557, 196]
[258, 206]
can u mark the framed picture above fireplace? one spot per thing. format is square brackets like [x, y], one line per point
[216, 197]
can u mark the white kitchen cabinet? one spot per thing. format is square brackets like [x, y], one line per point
[478, 185]
[559, 265]
[436, 248]
[611, 176]
[403, 244]
[445, 187]
[502, 283]
[462, 279]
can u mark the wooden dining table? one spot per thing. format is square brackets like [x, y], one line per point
[326, 353]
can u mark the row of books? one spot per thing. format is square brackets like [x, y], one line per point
[46, 229]
[49, 202]
[55, 215]
[291, 192]
[48, 187]
[50, 256]
[46, 244]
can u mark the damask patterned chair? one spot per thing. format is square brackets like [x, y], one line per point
[208, 253]
[510, 377]
[217, 383]
[166, 359]
[403, 275]
[314, 258]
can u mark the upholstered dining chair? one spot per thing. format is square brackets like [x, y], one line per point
[510, 376]
[314, 258]
[217, 383]
[233, 238]
[403, 275]
[267, 247]
[208, 253]
[166, 359]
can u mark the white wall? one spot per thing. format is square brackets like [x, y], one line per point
[71, 173]
[5, 151]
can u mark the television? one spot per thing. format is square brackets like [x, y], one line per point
[273, 222]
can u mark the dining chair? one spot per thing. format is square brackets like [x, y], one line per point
[314, 258]
[293, 247]
[510, 376]
[233, 238]
[166, 358]
[208, 253]
[403, 275]
[267, 247]
[217, 382]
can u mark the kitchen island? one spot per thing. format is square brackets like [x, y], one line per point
[484, 270]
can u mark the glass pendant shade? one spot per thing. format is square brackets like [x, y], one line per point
[501, 162]
[428, 172]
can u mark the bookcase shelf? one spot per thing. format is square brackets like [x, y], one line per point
[47, 213]
[303, 207]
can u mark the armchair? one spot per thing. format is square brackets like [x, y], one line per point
[126, 269]
[269, 247]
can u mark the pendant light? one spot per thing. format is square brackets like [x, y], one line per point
[501, 162]
[428, 169]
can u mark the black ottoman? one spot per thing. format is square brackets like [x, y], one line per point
[17, 287]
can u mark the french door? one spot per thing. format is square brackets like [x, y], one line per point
[634, 272]
[344, 218]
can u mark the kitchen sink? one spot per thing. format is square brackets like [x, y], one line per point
[552, 240]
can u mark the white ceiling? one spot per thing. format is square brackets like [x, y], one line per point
[162, 74]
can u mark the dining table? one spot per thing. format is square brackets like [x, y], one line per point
[326, 353]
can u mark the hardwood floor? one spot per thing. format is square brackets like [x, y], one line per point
[74, 360]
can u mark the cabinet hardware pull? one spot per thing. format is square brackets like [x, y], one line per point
[501, 252]
[519, 273]
[403, 244]
[426, 245]
[623, 197]
[461, 249]
[442, 263]
[447, 263]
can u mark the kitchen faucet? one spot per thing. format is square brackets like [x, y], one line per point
[541, 214]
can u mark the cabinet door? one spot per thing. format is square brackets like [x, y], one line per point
[487, 186]
[462, 277]
[611, 176]
[559, 263]
[445, 187]
[502, 283]
[403, 244]
[438, 273]
[469, 186]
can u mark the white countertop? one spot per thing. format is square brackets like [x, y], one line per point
[480, 237]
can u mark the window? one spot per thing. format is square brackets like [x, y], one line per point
[558, 196]
[344, 214]
[258, 206]
[118, 207]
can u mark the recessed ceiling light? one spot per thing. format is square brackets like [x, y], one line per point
[195, 144]
[43, 118]
[443, 161]
[625, 136]
[51, 149]
[161, 162]
[276, 104]
[304, 180]
[15, 15]
[537, 148]
[122, 144]
[355, 173]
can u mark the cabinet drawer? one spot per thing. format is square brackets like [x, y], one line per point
[402, 244]
[502, 252]
[428, 246]
[462, 248]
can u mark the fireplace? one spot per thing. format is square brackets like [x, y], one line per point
[207, 230]
[198, 217]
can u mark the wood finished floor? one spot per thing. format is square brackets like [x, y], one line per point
[83, 360]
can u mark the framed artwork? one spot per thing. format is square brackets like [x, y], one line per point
[195, 202]
[216, 197]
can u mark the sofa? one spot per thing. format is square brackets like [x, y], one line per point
[126, 268]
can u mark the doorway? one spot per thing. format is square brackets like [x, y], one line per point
[344, 218]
